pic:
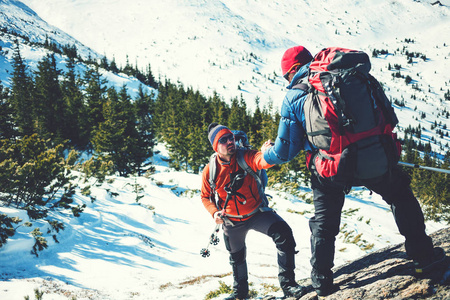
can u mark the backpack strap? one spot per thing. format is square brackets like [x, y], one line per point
[212, 179]
[257, 175]
[300, 85]
[383, 101]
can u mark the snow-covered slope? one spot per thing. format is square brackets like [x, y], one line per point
[222, 45]
[20, 19]
[19, 22]
[121, 250]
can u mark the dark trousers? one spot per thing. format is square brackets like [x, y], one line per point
[268, 223]
[328, 202]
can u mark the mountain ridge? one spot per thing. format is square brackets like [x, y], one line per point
[21, 20]
[207, 44]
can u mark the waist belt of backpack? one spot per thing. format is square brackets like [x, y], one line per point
[260, 208]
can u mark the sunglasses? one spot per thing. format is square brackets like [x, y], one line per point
[225, 139]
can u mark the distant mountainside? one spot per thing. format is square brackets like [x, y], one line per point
[19, 23]
[234, 47]
[18, 19]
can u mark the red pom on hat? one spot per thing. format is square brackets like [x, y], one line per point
[295, 56]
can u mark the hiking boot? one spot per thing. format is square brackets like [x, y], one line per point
[294, 291]
[426, 264]
[236, 296]
[322, 292]
[323, 283]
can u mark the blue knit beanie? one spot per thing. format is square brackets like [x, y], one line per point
[215, 132]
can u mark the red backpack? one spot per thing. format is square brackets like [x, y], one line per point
[348, 116]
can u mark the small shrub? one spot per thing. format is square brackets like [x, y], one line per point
[40, 242]
[223, 289]
[6, 228]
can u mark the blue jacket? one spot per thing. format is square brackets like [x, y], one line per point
[291, 130]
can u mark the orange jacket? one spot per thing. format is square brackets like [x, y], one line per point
[249, 188]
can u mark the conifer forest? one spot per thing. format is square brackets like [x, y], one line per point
[50, 118]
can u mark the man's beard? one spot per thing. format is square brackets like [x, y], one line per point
[231, 149]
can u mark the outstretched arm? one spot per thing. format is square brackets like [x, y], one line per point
[291, 134]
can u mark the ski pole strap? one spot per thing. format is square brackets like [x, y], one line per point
[446, 171]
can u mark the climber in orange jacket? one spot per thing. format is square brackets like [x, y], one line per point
[233, 199]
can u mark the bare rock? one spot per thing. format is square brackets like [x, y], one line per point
[389, 274]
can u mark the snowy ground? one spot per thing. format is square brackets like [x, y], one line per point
[119, 249]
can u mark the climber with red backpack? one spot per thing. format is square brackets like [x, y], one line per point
[338, 112]
[233, 194]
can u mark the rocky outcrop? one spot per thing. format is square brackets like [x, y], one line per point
[437, 3]
[388, 274]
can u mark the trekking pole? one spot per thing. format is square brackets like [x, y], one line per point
[424, 167]
[213, 239]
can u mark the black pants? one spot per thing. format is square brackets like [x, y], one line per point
[328, 202]
[268, 223]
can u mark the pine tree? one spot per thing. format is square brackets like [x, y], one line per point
[22, 95]
[218, 110]
[432, 188]
[104, 63]
[244, 114]
[113, 66]
[76, 128]
[128, 69]
[117, 136]
[238, 118]
[109, 135]
[149, 79]
[201, 150]
[141, 77]
[70, 51]
[131, 154]
[160, 109]
[255, 132]
[269, 123]
[49, 105]
[198, 148]
[144, 108]
[94, 97]
[173, 133]
[7, 130]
